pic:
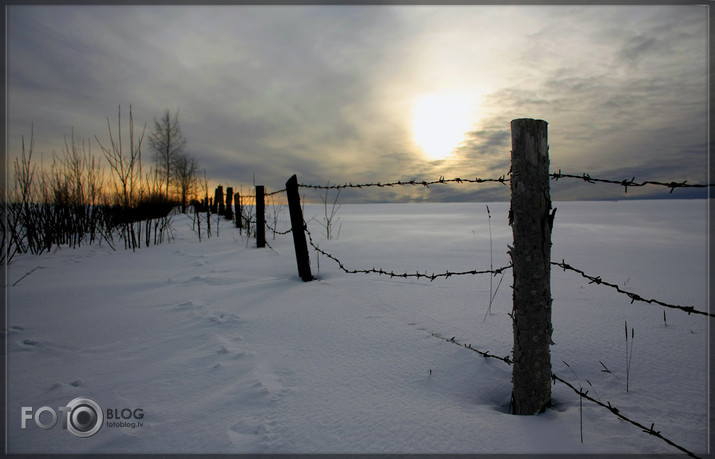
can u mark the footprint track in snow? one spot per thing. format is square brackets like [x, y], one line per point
[261, 432]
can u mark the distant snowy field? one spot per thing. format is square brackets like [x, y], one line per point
[224, 350]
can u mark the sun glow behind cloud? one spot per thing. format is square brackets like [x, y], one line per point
[440, 121]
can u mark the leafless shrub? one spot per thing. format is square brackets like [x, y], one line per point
[276, 211]
[330, 211]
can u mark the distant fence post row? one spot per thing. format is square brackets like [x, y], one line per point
[230, 206]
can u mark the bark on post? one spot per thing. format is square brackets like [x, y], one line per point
[260, 216]
[531, 257]
[297, 228]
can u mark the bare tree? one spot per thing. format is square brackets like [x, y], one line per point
[186, 175]
[127, 175]
[125, 167]
[168, 142]
[79, 172]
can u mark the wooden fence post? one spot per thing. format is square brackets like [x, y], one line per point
[228, 214]
[260, 216]
[531, 258]
[239, 211]
[214, 202]
[297, 227]
[220, 199]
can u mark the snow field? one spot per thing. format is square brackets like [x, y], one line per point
[227, 351]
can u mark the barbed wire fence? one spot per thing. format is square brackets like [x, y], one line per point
[299, 228]
[392, 273]
[505, 179]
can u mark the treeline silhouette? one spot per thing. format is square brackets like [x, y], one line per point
[78, 200]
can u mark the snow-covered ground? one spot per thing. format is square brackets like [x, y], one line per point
[219, 347]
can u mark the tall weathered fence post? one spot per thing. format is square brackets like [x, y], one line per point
[296, 223]
[531, 256]
[260, 216]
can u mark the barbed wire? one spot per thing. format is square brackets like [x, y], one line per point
[565, 266]
[405, 275]
[279, 233]
[649, 430]
[274, 192]
[505, 178]
[593, 279]
[414, 182]
[632, 182]
[469, 346]
[633, 296]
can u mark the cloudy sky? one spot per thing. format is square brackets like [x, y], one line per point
[374, 93]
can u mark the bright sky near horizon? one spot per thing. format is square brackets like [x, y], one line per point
[374, 93]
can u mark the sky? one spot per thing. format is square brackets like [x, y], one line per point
[350, 93]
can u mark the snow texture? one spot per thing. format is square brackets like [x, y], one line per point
[226, 350]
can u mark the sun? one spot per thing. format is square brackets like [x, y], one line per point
[439, 122]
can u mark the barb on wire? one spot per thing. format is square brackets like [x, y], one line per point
[503, 180]
[633, 296]
[383, 272]
[631, 182]
[649, 430]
